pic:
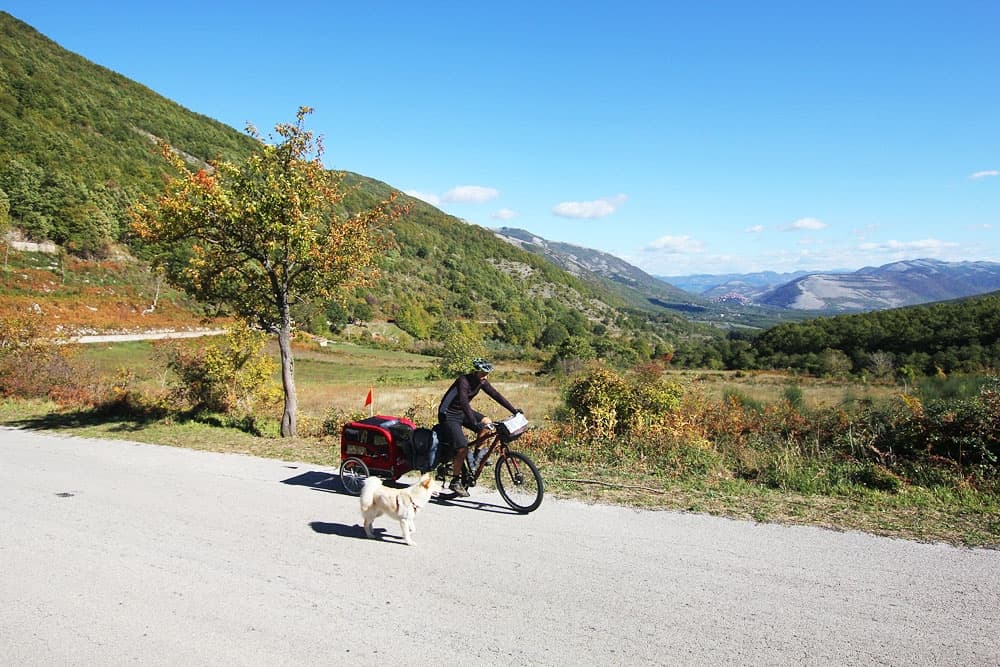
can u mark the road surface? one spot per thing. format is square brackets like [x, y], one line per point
[121, 553]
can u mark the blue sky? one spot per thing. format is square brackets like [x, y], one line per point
[707, 137]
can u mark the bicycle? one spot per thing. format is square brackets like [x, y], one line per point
[516, 476]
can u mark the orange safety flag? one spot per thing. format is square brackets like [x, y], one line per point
[370, 397]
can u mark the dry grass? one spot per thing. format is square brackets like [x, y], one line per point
[770, 386]
[906, 515]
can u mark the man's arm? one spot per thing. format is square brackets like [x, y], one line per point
[492, 392]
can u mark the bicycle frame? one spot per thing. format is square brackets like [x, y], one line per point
[493, 444]
[517, 478]
[478, 443]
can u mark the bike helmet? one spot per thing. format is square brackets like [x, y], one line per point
[482, 365]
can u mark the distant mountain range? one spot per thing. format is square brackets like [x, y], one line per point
[750, 285]
[905, 283]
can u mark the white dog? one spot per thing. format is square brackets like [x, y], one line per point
[400, 504]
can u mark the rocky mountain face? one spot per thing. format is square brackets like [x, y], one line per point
[905, 283]
[585, 263]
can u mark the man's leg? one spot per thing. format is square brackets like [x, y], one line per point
[461, 444]
[456, 463]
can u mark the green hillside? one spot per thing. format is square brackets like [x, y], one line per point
[77, 150]
[76, 141]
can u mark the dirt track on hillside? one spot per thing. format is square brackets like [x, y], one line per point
[145, 335]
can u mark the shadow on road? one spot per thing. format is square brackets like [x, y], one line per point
[355, 531]
[339, 529]
[451, 500]
[321, 481]
[330, 483]
[122, 418]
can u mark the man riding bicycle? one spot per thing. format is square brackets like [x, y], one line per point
[455, 412]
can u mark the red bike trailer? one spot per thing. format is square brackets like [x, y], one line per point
[378, 446]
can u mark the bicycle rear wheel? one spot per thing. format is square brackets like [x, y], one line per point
[519, 482]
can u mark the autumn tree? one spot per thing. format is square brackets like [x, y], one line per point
[264, 235]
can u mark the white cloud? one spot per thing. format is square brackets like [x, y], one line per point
[676, 244]
[470, 194]
[433, 200]
[756, 229]
[979, 175]
[810, 224]
[504, 214]
[600, 208]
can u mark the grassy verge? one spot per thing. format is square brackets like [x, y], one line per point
[913, 514]
[966, 518]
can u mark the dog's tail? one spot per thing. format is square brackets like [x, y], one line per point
[368, 492]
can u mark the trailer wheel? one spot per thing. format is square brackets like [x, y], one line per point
[353, 473]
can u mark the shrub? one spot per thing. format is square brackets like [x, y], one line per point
[334, 420]
[737, 398]
[609, 405]
[942, 386]
[911, 436]
[228, 376]
[31, 366]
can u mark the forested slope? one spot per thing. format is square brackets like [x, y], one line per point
[961, 335]
[76, 141]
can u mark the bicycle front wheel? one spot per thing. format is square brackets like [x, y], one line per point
[519, 482]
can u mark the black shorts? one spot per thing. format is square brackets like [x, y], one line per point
[453, 427]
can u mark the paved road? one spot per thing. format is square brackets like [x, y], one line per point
[120, 553]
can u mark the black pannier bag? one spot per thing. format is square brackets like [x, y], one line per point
[424, 449]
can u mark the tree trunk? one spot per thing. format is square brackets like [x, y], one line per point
[287, 377]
